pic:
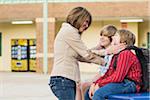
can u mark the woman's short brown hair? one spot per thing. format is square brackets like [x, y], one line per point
[109, 31]
[77, 16]
[127, 37]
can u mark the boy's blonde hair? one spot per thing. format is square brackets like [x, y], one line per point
[109, 31]
[127, 37]
[77, 16]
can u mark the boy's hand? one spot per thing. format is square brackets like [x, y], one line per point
[96, 87]
[91, 91]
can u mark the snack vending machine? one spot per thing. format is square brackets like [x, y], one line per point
[19, 55]
[23, 54]
[32, 55]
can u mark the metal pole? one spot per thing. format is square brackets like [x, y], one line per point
[45, 36]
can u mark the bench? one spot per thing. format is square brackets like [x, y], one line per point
[133, 96]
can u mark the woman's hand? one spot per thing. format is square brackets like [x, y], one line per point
[92, 58]
[114, 49]
[98, 60]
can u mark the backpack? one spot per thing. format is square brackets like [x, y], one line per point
[143, 57]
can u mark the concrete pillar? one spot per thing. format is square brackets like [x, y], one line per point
[39, 37]
[51, 37]
[39, 45]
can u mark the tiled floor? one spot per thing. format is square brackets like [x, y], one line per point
[27, 86]
[24, 86]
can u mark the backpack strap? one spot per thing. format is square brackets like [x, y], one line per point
[116, 58]
[115, 61]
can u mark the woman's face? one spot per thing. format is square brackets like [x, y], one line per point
[84, 26]
[116, 39]
[104, 41]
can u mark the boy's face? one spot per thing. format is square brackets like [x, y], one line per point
[116, 39]
[104, 41]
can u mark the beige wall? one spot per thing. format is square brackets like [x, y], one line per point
[143, 29]
[90, 37]
[9, 32]
[133, 27]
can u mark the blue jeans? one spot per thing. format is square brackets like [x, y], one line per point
[102, 93]
[63, 88]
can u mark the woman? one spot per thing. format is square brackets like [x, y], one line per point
[122, 79]
[67, 49]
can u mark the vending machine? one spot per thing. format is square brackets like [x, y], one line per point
[32, 55]
[19, 55]
[23, 55]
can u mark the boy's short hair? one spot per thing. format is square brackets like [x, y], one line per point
[109, 31]
[127, 37]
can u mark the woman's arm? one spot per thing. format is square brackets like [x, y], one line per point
[81, 59]
[101, 52]
[94, 59]
[112, 49]
[75, 42]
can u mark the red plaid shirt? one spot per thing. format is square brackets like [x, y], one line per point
[128, 66]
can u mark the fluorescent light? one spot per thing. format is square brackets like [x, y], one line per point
[22, 22]
[131, 20]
